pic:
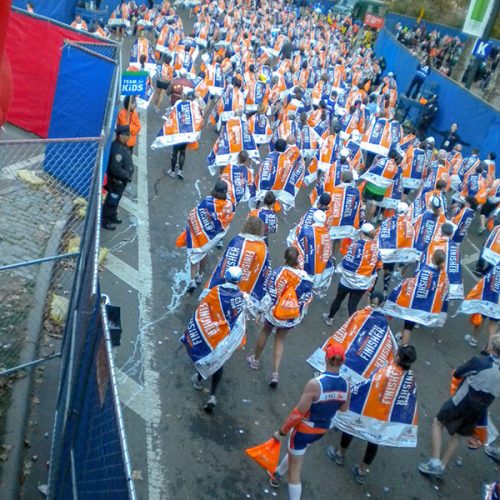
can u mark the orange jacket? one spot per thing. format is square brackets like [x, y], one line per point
[132, 121]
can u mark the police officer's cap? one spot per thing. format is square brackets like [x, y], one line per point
[122, 130]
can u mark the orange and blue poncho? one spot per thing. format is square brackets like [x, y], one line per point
[491, 249]
[240, 183]
[315, 250]
[484, 298]
[358, 268]
[234, 138]
[182, 125]
[289, 292]
[281, 173]
[383, 409]
[207, 224]
[260, 128]
[395, 240]
[216, 329]
[422, 298]
[368, 343]
[250, 253]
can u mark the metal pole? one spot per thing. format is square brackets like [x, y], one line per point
[28, 365]
[39, 261]
[487, 32]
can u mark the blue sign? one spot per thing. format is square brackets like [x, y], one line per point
[482, 49]
[134, 82]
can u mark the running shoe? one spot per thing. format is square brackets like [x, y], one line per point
[470, 339]
[327, 319]
[220, 244]
[252, 362]
[335, 455]
[180, 174]
[359, 475]
[196, 382]
[210, 404]
[493, 452]
[171, 173]
[275, 378]
[430, 468]
[192, 286]
[275, 479]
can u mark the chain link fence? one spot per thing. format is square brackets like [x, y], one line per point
[44, 191]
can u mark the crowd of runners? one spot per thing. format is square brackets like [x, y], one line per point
[299, 103]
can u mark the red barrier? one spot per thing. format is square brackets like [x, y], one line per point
[5, 76]
[33, 48]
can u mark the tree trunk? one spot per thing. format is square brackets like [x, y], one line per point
[459, 70]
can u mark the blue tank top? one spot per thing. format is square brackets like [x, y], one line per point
[334, 390]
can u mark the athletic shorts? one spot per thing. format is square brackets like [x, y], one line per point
[299, 441]
[370, 195]
[459, 419]
[488, 207]
[160, 84]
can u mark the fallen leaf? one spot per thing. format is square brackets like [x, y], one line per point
[137, 475]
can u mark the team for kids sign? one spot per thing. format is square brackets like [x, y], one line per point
[134, 82]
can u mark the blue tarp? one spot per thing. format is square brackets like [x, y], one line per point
[60, 10]
[79, 106]
[479, 123]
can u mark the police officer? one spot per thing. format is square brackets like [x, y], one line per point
[120, 171]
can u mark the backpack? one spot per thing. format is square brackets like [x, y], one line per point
[287, 307]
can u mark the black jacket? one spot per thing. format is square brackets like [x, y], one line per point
[120, 165]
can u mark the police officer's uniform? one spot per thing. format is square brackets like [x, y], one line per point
[119, 174]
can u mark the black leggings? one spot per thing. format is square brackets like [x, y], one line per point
[215, 379]
[342, 292]
[409, 325]
[371, 448]
[179, 150]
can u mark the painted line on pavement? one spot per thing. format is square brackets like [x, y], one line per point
[470, 259]
[128, 205]
[123, 271]
[133, 397]
[154, 452]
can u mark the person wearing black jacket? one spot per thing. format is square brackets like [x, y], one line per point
[479, 385]
[119, 174]
[427, 116]
[450, 137]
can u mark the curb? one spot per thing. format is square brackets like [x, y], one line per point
[17, 414]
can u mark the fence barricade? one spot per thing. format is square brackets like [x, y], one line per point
[44, 194]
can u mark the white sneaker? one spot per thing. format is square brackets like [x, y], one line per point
[197, 383]
[210, 404]
[327, 319]
[470, 340]
[192, 286]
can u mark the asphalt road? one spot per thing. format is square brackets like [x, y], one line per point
[179, 450]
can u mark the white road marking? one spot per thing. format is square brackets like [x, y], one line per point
[154, 452]
[132, 395]
[123, 271]
[470, 259]
[128, 205]
[474, 246]
[9, 172]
